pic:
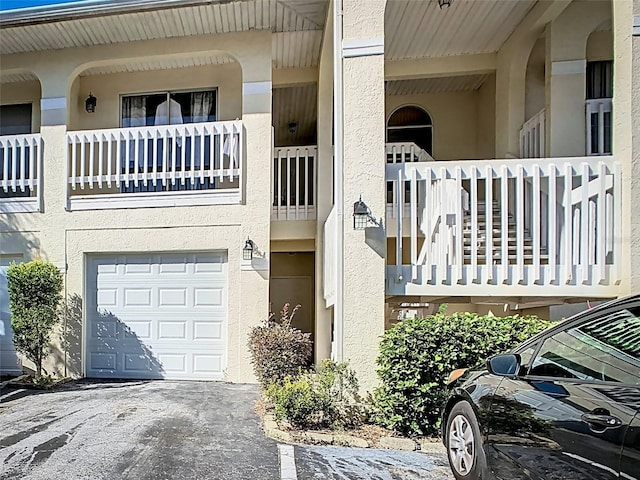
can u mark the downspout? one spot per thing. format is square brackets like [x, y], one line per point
[338, 186]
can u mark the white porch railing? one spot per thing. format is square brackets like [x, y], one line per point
[190, 164]
[330, 252]
[406, 152]
[529, 227]
[598, 113]
[532, 143]
[293, 179]
[20, 173]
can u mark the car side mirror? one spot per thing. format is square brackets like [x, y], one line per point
[508, 364]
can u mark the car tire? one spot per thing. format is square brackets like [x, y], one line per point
[464, 443]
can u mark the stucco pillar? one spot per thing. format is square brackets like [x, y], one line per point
[626, 133]
[258, 145]
[364, 176]
[566, 43]
[324, 187]
[511, 72]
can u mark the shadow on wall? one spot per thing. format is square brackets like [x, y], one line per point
[113, 348]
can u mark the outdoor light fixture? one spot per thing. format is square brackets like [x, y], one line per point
[90, 103]
[247, 251]
[444, 3]
[361, 215]
[293, 128]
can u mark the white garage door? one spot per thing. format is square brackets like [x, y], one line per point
[157, 316]
[9, 362]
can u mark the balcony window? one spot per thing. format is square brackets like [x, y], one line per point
[411, 125]
[14, 120]
[599, 91]
[169, 108]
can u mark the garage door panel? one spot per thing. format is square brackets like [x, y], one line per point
[165, 319]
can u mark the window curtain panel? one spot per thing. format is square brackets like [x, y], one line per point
[134, 111]
[201, 105]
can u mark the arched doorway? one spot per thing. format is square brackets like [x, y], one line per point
[411, 124]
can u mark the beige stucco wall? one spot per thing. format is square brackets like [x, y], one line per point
[227, 78]
[23, 92]
[455, 125]
[600, 46]
[67, 237]
[486, 119]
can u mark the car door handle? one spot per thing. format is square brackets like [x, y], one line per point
[601, 420]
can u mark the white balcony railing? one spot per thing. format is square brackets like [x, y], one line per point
[532, 142]
[20, 173]
[190, 164]
[473, 226]
[406, 152]
[294, 183]
[598, 113]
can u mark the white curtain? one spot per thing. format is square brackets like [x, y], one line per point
[134, 111]
[201, 105]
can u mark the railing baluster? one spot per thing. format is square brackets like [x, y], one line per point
[166, 147]
[5, 166]
[553, 221]
[400, 227]
[600, 128]
[147, 136]
[459, 247]
[504, 223]
[100, 159]
[223, 139]
[413, 205]
[488, 208]
[202, 172]
[191, 138]
[442, 263]
[109, 140]
[617, 219]
[174, 156]
[281, 200]
[307, 162]
[118, 139]
[536, 226]
[297, 179]
[288, 190]
[568, 222]
[92, 154]
[32, 142]
[585, 233]
[520, 222]
[601, 225]
[23, 162]
[473, 210]
[83, 159]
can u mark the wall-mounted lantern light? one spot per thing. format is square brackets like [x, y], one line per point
[90, 103]
[247, 251]
[362, 215]
[293, 128]
[444, 3]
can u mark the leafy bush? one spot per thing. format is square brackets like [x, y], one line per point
[417, 355]
[278, 350]
[325, 398]
[35, 293]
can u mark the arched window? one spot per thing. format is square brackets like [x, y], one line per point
[411, 124]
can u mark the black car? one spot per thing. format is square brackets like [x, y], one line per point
[564, 405]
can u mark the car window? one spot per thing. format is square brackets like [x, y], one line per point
[606, 349]
[525, 357]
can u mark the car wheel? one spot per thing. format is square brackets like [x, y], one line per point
[464, 443]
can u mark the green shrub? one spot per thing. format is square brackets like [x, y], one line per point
[325, 398]
[298, 402]
[35, 293]
[278, 350]
[417, 355]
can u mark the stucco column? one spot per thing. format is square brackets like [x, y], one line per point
[511, 72]
[364, 176]
[626, 133]
[258, 145]
[324, 188]
[566, 43]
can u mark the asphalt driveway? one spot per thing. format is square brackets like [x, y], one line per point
[135, 430]
[172, 430]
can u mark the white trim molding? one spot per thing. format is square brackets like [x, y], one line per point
[229, 196]
[362, 47]
[636, 25]
[53, 103]
[256, 88]
[20, 205]
[569, 67]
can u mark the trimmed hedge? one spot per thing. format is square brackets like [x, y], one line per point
[417, 355]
